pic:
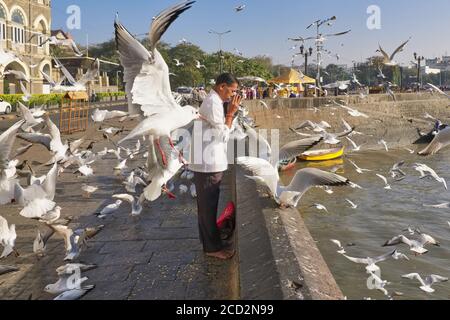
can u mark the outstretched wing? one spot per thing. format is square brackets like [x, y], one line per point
[385, 55]
[48, 78]
[357, 260]
[36, 138]
[261, 169]
[126, 197]
[399, 49]
[306, 178]
[91, 74]
[337, 34]
[6, 143]
[295, 148]
[441, 140]
[384, 257]
[146, 73]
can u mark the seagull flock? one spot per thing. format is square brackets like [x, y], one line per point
[146, 75]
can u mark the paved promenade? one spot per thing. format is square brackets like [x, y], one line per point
[154, 256]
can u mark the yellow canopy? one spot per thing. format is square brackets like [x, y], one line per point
[293, 77]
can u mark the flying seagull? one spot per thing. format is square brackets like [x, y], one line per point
[147, 81]
[389, 60]
[266, 174]
[425, 284]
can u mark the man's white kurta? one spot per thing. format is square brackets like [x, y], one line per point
[209, 138]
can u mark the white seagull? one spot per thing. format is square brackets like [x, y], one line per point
[355, 146]
[178, 63]
[358, 169]
[382, 142]
[438, 90]
[422, 168]
[425, 284]
[266, 174]
[386, 184]
[319, 206]
[109, 209]
[147, 80]
[338, 243]
[353, 205]
[7, 237]
[136, 203]
[389, 60]
[416, 246]
[198, 65]
[351, 111]
[371, 262]
[441, 140]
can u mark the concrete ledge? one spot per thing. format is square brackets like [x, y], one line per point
[275, 250]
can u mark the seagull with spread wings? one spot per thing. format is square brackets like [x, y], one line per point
[146, 75]
[267, 174]
[389, 60]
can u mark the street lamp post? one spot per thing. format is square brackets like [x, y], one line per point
[220, 34]
[306, 55]
[319, 47]
[419, 59]
[117, 79]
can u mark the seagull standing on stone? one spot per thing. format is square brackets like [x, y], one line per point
[88, 190]
[109, 209]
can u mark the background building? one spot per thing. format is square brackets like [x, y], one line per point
[24, 25]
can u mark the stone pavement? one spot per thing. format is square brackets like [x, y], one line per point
[154, 256]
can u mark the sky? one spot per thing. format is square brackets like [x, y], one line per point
[263, 27]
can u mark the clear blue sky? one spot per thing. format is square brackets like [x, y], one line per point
[264, 26]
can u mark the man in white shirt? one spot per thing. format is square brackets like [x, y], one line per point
[209, 159]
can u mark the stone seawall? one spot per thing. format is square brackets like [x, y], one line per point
[394, 121]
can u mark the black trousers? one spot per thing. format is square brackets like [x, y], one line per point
[208, 192]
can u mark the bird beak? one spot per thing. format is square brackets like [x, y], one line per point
[202, 117]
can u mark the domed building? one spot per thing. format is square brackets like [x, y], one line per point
[24, 26]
